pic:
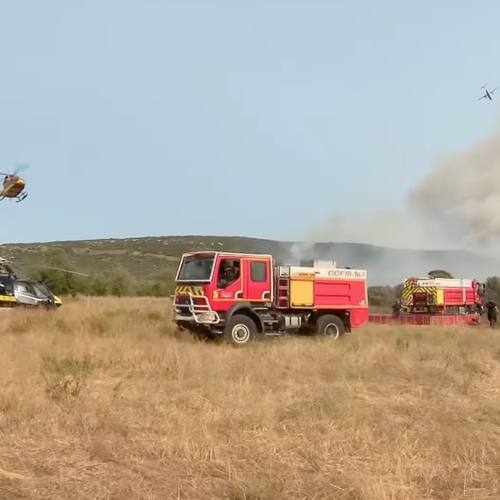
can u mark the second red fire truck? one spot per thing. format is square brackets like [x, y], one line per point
[241, 296]
[438, 301]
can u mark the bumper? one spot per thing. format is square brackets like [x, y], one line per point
[194, 309]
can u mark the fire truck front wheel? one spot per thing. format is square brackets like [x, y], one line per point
[241, 329]
[330, 325]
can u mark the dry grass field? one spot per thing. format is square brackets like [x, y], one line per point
[103, 399]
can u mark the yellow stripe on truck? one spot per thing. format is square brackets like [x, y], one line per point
[406, 295]
[188, 289]
[433, 296]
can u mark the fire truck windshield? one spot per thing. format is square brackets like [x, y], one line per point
[196, 268]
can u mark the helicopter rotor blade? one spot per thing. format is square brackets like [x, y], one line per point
[6, 263]
[65, 270]
[20, 167]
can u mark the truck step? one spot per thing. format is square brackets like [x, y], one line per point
[268, 319]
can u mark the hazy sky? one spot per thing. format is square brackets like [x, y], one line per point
[257, 118]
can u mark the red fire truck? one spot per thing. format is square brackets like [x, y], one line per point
[241, 296]
[438, 301]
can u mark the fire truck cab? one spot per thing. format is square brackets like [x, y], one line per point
[241, 296]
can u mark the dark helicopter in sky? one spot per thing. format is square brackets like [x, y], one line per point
[489, 93]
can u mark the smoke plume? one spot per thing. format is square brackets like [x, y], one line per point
[456, 206]
[460, 198]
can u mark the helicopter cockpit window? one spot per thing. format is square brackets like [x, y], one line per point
[31, 289]
[23, 288]
[40, 290]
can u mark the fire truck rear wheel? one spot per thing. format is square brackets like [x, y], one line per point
[241, 329]
[330, 325]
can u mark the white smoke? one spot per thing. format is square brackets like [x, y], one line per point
[455, 206]
[461, 196]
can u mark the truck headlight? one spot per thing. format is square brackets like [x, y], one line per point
[206, 317]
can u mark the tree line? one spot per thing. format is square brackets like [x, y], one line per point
[119, 282]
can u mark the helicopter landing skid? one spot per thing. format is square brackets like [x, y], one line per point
[21, 197]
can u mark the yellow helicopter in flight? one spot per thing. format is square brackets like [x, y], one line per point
[13, 185]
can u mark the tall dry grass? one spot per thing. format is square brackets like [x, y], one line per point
[104, 400]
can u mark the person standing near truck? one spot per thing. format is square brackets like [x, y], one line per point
[492, 311]
[396, 309]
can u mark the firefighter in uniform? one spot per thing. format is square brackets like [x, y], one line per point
[492, 311]
[396, 308]
[229, 273]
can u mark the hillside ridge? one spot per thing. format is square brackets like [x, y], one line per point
[145, 257]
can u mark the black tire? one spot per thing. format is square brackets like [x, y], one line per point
[330, 325]
[241, 329]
